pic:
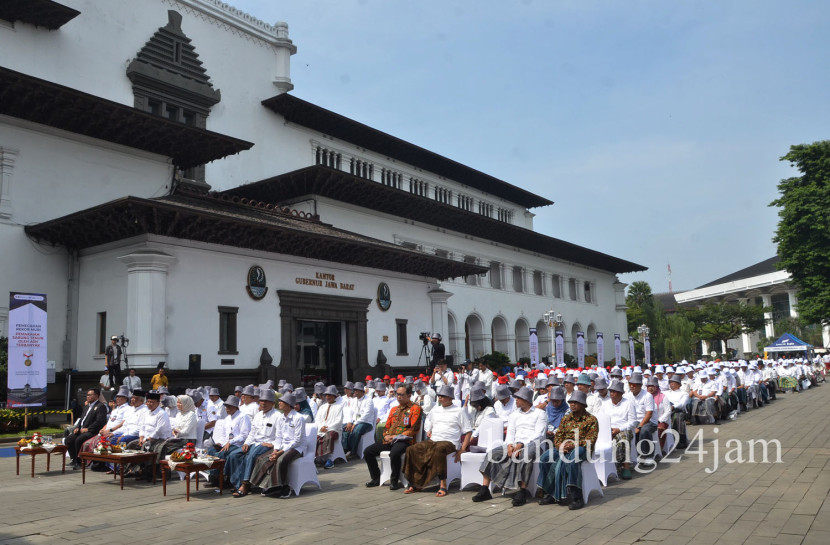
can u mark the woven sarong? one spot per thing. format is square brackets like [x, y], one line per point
[508, 472]
[325, 443]
[426, 460]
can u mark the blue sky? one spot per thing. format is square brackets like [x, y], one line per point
[655, 125]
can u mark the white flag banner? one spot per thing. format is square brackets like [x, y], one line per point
[617, 350]
[647, 348]
[560, 348]
[580, 349]
[600, 350]
[534, 347]
[27, 375]
[631, 356]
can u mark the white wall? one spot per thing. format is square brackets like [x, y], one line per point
[203, 277]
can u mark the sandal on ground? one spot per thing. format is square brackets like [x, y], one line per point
[410, 490]
[110, 472]
[441, 492]
[241, 491]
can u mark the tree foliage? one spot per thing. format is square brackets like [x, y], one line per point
[671, 335]
[724, 321]
[803, 234]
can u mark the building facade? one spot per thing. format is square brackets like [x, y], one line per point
[154, 186]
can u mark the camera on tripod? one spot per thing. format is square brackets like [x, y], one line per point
[424, 336]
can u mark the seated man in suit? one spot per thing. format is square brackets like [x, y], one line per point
[94, 418]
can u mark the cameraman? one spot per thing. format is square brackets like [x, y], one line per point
[438, 349]
[113, 358]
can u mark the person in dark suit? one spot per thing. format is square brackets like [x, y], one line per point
[94, 418]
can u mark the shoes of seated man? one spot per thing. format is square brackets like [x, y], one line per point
[577, 501]
[373, 483]
[271, 491]
[286, 492]
[76, 464]
[329, 464]
[395, 485]
[547, 499]
[483, 495]
[520, 498]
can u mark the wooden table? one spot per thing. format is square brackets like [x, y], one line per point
[189, 468]
[60, 449]
[119, 459]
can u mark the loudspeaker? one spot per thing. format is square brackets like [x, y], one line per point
[194, 364]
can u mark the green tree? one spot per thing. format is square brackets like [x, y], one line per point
[724, 321]
[803, 234]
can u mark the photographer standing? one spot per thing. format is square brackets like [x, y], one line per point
[113, 358]
[438, 349]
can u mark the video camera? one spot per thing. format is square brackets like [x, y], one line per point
[424, 336]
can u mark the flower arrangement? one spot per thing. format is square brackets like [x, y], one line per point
[103, 446]
[36, 440]
[185, 454]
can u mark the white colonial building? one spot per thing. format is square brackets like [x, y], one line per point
[159, 179]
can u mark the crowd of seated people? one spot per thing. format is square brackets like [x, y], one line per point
[547, 418]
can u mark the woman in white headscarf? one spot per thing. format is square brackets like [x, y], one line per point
[183, 426]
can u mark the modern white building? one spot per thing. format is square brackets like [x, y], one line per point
[760, 284]
[159, 179]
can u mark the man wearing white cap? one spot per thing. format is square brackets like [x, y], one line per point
[249, 405]
[448, 430]
[229, 434]
[270, 471]
[260, 440]
[623, 423]
[510, 465]
[361, 420]
[329, 422]
[646, 413]
[706, 393]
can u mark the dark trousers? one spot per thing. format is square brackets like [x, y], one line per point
[396, 452]
[74, 442]
[645, 444]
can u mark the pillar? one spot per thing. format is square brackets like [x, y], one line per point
[769, 329]
[146, 306]
[439, 298]
[791, 294]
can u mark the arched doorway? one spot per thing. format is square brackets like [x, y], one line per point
[474, 344]
[522, 332]
[591, 341]
[501, 341]
[574, 330]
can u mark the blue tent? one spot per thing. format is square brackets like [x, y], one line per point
[788, 343]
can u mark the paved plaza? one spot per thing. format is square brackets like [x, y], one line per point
[757, 503]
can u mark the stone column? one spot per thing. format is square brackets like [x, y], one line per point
[769, 329]
[284, 48]
[439, 298]
[146, 306]
[793, 303]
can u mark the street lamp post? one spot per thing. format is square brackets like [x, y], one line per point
[552, 319]
[643, 330]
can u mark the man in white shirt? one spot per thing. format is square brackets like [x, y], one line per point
[510, 465]
[361, 420]
[599, 397]
[646, 414]
[448, 431]
[442, 375]
[706, 393]
[260, 440]
[249, 404]
[504, 404]
[229, 434]
[132, 381]
[678, 399]
[623, 423]
[271, 471]
[329, 422]
[382, 404]
[424, 397]
[133, 420]
[156, 428]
